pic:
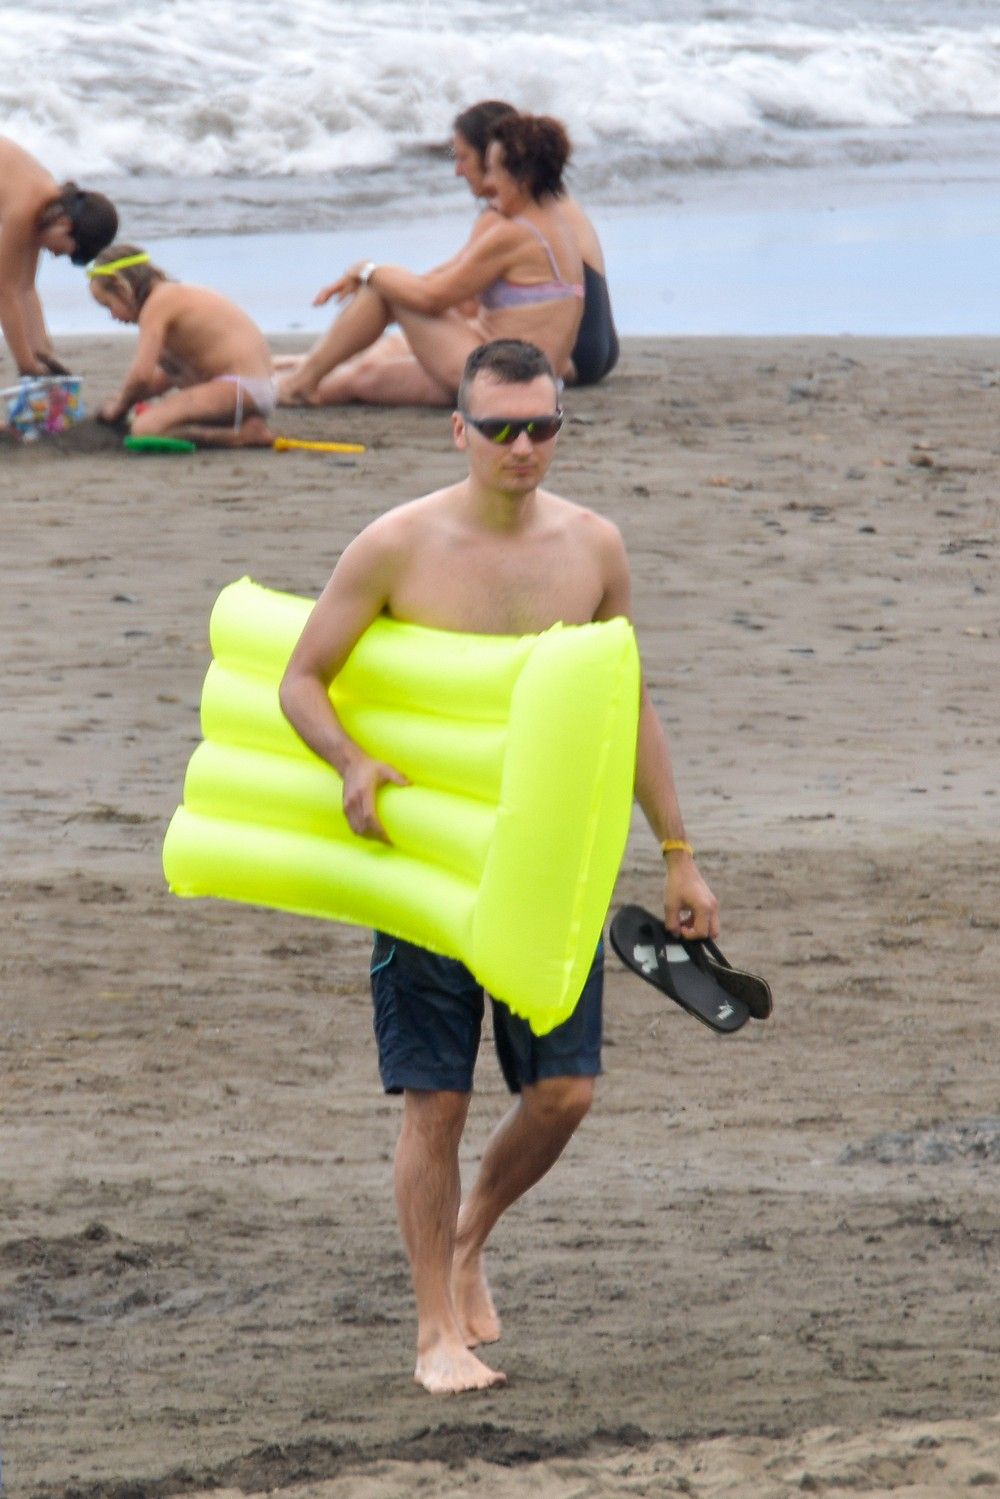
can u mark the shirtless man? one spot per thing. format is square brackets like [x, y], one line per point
[492, 554]
[201, 353]
[36, 215]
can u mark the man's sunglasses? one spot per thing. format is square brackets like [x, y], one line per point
[507, 429]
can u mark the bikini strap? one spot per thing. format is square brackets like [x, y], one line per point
[545, 246]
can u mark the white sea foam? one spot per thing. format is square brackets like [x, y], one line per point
[363, 93]
[212, 118]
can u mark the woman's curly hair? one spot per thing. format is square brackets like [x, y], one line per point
[535, 150]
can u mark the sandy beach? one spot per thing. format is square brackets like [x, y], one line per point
[767, 1264]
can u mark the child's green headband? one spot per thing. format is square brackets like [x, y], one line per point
[113, 266]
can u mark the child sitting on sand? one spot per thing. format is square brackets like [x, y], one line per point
[195, 344]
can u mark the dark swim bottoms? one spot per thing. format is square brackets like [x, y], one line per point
[595, 352]
[428, 1020]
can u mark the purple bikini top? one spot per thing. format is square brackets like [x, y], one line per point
[518, 294]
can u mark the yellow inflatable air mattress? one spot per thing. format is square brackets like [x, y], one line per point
[520, 752]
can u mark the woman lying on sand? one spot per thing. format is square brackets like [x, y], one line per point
[521, 270]
[193, 343]
[37, 215]
[595, 352]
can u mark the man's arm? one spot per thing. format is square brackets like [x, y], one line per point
[38, 334]
[18, 267]
[688, 904]
[354, 597]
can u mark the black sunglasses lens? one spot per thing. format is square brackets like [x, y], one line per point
[544, 427]
[538, 428]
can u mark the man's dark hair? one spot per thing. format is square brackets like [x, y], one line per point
[508, 361]
[93, 220]
[475, 124]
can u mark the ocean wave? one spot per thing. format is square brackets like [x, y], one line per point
[185, 89]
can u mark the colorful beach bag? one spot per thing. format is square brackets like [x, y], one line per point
[40, 406]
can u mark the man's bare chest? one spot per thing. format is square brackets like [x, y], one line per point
[498, 589]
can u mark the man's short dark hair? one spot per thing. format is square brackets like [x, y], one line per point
[93, 220]
[509, 361]
[95, 224]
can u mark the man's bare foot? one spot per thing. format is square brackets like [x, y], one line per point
[446, 1369]
[474, 1306]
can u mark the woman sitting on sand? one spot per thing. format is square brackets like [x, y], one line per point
[595, 352]
[36, 215]
[522, 270]
[193, 343]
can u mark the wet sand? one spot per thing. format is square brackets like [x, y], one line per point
[767, 1264]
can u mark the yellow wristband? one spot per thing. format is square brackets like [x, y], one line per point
[675, 846]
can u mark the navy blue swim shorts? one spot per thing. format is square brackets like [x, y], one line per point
[428, 1021]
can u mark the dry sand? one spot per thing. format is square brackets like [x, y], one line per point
[767, 1264]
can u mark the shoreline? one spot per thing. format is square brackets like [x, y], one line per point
[876, 255]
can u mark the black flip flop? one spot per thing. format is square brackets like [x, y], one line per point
[643, 943]
[750, 987]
